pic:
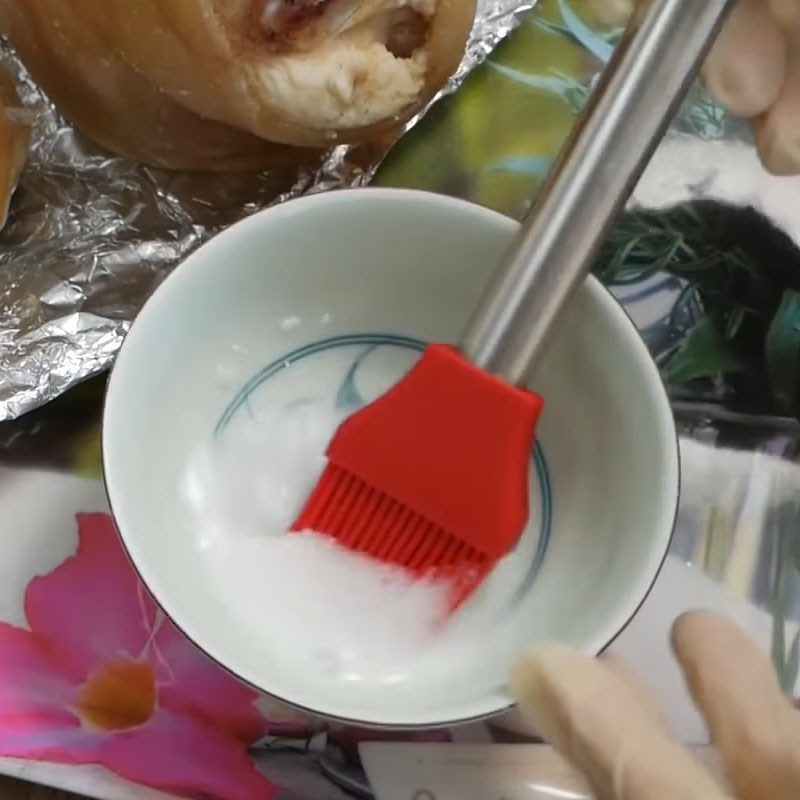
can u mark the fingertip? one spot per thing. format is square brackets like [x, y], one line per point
[536, 682]
[787, 15]
[702, 635]
[747, 67]
[777, 131]
[736, 689]
[523, 678]
[778, 143]
[593, 713]
[691, 624]
[531, 670]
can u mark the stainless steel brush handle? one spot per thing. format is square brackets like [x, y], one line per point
[652, 69]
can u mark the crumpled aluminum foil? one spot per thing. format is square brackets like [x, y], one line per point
[91, 235]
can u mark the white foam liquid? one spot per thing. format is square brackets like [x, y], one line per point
[343, 616]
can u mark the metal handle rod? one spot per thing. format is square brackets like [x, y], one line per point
[652, 69]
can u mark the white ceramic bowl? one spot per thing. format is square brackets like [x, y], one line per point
[389, 267]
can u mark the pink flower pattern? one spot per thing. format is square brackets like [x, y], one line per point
[102, 677]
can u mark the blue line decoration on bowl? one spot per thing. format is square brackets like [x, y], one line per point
[349, 399]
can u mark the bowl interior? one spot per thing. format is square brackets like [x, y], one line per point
[292, 298]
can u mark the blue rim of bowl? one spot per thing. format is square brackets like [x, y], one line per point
[370, 341]
[366, 724]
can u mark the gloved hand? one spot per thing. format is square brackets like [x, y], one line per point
[602, 720]
[754, 71]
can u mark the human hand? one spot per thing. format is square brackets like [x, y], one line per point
[598, 716]
[753, 71]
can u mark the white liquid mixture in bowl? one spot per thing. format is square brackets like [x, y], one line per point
[343, 616]
[238, 370]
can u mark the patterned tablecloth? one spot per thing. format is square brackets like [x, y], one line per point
[99, 693]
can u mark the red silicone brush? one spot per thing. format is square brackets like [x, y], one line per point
[433, 476]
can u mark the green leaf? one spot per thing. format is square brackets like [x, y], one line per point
[783, 352]
[705, 353]
[796, 551]
[595, 44]
[547, 83]
[792, 666]
[778, 643]
[734, 324]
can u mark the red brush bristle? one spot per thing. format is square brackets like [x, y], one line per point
[366, 520]
[433, 476]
